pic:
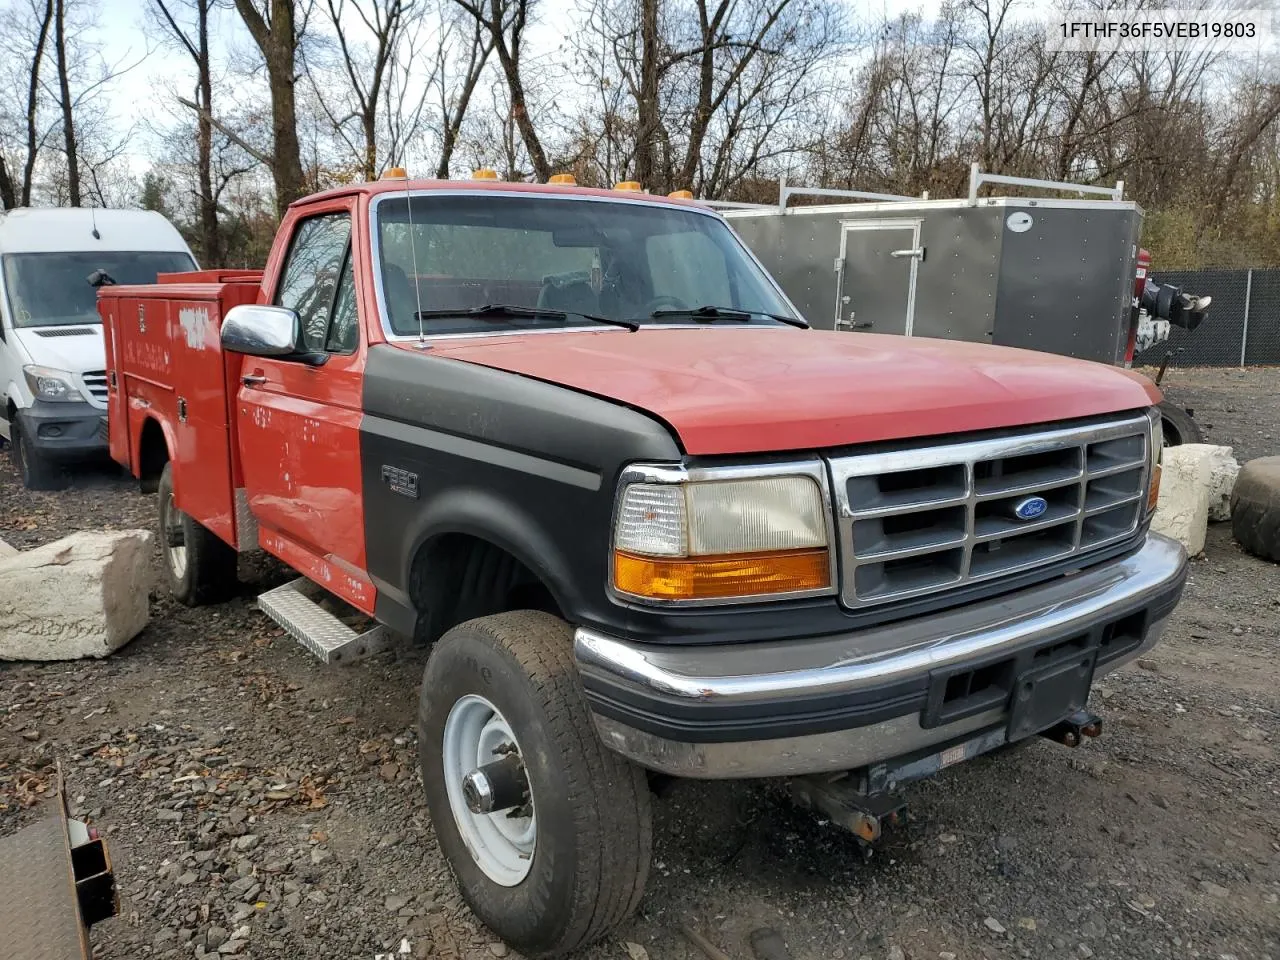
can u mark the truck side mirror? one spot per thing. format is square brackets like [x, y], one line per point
[261, 331]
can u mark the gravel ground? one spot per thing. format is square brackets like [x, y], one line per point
[260, 805]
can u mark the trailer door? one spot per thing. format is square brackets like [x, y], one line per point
[876, 291]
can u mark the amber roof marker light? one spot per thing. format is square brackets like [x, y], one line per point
[563, 180]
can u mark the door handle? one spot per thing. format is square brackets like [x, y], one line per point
[917, 252]
[254, 380]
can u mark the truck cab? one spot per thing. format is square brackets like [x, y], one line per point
[53, 379]
[580, 443]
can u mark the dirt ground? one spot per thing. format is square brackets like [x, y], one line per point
[258, 804]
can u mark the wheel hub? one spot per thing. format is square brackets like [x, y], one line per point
[489, 792]
[497, 787]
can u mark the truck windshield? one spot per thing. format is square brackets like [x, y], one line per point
[52, 289]
[647, 262]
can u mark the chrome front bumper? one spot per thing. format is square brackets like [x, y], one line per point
[814, 704]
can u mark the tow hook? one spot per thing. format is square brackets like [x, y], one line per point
[1071, 731]
[497, 786]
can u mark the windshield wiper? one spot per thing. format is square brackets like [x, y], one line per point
[501, 310]
[709, 313]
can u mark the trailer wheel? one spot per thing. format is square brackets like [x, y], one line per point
[199, 567]
[37, 472]
[562, 855]
[1255, 508]
[1179, 426]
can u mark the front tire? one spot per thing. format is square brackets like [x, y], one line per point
[576, 866]
[199, 567]
[37, 472]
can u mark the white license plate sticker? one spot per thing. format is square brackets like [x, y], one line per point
[953, 755]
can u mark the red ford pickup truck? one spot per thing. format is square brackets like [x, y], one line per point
[581, 443]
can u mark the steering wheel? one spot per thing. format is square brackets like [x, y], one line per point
[668, 302]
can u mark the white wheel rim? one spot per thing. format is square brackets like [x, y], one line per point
[175, 556]
[501, 846]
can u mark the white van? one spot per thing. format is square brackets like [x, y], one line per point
[53, 384]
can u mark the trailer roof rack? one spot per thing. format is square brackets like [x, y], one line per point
[976, 180]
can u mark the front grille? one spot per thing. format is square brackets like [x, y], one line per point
[921, 521]
[96, 381]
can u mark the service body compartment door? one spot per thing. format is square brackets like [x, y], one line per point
[121, 447]
[877, 264]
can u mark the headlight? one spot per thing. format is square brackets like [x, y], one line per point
[1155, 459]
[708, 539]
[50, 384]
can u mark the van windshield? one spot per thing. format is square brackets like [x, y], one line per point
[617, 260]
[52, 289]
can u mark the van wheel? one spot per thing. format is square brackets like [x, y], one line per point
[199, 567]
[547, 832]
[37, 472]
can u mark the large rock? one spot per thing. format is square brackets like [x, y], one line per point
[1183, 509]
[82, 596]
[1223, 470]
[1255, 508]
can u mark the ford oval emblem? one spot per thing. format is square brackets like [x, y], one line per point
[1030, 508]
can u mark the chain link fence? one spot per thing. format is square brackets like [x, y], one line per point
[1243, 325]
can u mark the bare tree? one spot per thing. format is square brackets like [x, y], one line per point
[506, 22]
[366, 68]
[277, 27]
[476, 45]
[196, 44]
[64, 100]
[31, 59]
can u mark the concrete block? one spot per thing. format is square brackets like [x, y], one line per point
[85, 595]
[6, 550]
[1223, 470]
[1182, 511]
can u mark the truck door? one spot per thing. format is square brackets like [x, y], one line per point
[299, 424]
[876, 291]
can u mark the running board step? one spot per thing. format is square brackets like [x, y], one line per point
[296, 607]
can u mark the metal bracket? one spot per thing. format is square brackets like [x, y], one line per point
[864, 815]
[182, 410]
[1071, 731]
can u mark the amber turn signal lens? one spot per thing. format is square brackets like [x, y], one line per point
[1153, 492]
[737, 575]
